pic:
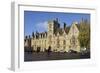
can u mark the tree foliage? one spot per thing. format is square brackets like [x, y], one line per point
[84, 34]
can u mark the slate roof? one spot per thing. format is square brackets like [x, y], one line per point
[78, 26]
[61, 30]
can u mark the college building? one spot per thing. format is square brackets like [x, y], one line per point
[58, 39]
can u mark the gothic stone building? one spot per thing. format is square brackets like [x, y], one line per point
[57, 38]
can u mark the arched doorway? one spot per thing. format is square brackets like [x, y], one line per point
[49, 49]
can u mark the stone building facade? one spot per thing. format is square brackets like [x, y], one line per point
[57, 38]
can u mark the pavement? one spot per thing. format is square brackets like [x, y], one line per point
[41, 56]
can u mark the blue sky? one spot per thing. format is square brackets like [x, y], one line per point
[37, 21]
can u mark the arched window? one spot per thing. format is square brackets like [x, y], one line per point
[58, 42]
[45, 43]
[64, 42]
[50, 40]
[73, 42]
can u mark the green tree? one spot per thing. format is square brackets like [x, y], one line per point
[84, 34]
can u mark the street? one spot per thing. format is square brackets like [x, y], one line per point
[40, 56]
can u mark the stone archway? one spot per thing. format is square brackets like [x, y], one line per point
[49, 49]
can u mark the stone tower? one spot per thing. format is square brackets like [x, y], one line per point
[50, 33]
[53, 26]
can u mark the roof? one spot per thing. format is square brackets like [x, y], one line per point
[78, 26]
[67, 29]
[61, 30]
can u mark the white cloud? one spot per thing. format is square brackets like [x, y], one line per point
[41, 26]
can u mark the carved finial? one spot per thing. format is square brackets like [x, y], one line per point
[57, 19]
